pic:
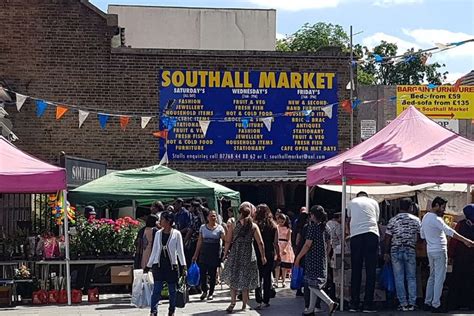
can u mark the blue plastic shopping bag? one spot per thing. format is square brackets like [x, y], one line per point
[296, 278]
[387, 279]
[193, 275]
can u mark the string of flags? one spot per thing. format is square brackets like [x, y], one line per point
[409, 57]
[169, 122]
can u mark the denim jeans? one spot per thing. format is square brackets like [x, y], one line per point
[434, 288]
[404, 267]
[156, 296]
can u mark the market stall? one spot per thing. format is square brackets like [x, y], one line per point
[23, 173]
[145, 185]
[411, 150]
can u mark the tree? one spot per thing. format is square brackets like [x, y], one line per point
[411, 69]
[309, 38]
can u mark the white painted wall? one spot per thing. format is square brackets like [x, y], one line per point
[197, 28]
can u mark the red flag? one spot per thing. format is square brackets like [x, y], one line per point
[347, 106]
[124, 120]
[161, 134]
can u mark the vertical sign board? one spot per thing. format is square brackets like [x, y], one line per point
[443, 102]
[368, 128]
[255, 115]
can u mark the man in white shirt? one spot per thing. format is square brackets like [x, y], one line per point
[363, 213]
[434, 231]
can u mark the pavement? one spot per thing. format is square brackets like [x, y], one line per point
[285, 304]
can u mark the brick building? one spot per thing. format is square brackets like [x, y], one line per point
[61, 51]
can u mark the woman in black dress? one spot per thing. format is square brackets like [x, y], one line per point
[167, 250]
[316, 251]
[268, 229]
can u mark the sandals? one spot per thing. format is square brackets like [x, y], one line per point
[230, 309]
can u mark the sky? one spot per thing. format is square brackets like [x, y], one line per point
[409, 23]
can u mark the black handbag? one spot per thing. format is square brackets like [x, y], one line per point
[182, 294]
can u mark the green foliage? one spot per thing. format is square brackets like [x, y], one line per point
[399, 72]
[309, 38]
[104, 237]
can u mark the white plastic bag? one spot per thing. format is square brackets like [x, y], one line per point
[142, 289]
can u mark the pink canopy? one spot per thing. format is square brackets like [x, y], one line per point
[22, 173]
[411, 150]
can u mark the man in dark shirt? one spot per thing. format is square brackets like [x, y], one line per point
[182, 217]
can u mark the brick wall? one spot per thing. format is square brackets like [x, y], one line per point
[60, 51]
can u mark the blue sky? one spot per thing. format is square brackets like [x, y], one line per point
[409, 23]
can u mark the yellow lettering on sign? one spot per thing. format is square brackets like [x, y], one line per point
[165, 77]
[283, 81]
[247, 83]
[191, 79]
[267, 80]
[308, 80]
[296, 80]
[177, 78]
[227, 80]
[203, 75]
[214, 79]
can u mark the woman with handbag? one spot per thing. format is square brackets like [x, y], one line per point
[241, 270]
[208, 251]
[316, 251]
[167, 251]
[268, 229]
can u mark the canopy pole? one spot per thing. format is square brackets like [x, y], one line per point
[343, 241]
[468, 194]
[308, 190]
[66, 243]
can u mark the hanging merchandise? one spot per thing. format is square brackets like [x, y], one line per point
[55, 204]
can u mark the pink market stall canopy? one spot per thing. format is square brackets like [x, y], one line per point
[411, 150]
[22, 173]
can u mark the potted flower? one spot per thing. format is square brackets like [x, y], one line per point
[25, 284]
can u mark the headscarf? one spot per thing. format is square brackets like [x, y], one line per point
[469, 212]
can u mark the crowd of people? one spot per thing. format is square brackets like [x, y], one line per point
[255, 249]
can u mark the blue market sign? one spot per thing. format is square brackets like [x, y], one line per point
[257, 115]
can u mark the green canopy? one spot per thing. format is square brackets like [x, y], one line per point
[148, 184]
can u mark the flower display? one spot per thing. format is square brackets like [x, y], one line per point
[55, 204]
[105, 237]
[22, 273]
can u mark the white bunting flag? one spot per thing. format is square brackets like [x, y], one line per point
[82, 117]
[349, 85]
[164, 160]
[145, 121]
[327, 110]
[267, 121]
[20, 100]
[441, 46]
[204, 126]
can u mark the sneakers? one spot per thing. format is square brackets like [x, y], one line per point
[353, 308]
[412, 308]
[427, 308]
[210, 297]
[402, 308]
[369, 309]
[203, 296]
[439, 310]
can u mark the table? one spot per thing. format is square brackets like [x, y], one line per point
[45, 264]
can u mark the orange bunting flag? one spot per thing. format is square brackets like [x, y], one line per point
[161, 134]
[124, 120]
[60, 111]
[458, 83]
[346, 105]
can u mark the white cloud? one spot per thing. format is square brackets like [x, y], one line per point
[453, 76]
[296, 5]
[428, 37]
[375, 40]
[389, 3]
